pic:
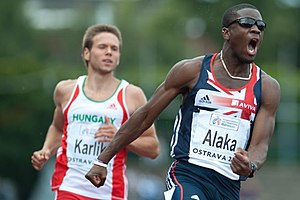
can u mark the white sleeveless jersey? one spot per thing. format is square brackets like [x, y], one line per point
[83, 117]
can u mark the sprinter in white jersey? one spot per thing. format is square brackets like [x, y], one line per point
[88, 112]
[225, 123]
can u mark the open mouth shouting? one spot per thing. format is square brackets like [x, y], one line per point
[252, 46]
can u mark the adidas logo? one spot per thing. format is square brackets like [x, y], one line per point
[205, 99]
[112, 106]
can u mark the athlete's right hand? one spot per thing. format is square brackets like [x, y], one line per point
[97, 175]
[106, 132]
[39, 158]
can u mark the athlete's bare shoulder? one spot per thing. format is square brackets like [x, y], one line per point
[135, 97]
[270, 90]
[65, 86]
[134, 90]
[185, 72]
[190, 63]
[269, 81]
[63, 91]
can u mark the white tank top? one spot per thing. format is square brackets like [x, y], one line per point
[82, 117]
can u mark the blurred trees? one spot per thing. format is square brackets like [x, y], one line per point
[20, 114]
[156, 35]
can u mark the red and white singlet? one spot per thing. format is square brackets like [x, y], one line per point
[82, 117]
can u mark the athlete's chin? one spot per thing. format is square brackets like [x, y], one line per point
[249, 59]
[105, 70]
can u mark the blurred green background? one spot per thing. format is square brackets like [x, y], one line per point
[41, 44]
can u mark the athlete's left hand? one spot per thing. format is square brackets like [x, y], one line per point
[240, 163]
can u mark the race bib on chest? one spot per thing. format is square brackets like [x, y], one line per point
[216, 137]
[82, 147]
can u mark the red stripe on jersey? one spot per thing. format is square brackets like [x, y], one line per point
[215, 82]
[247, 105]
[230, 113]
[120, 100]
[118, 172]
[250, 97]
[61, 161]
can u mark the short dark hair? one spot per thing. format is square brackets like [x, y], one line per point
[87, 41]
[230, 14]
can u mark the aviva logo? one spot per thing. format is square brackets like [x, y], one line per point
[243, 105]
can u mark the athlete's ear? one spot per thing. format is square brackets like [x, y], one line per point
[225, 33]
[86, 54]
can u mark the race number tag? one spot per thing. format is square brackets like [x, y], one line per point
[216, 137]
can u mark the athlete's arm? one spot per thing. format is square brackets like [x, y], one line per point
[147, 144]
[180, 79]
[262, 131]
[53, 138]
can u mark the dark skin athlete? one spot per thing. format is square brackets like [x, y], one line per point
[239, 50]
